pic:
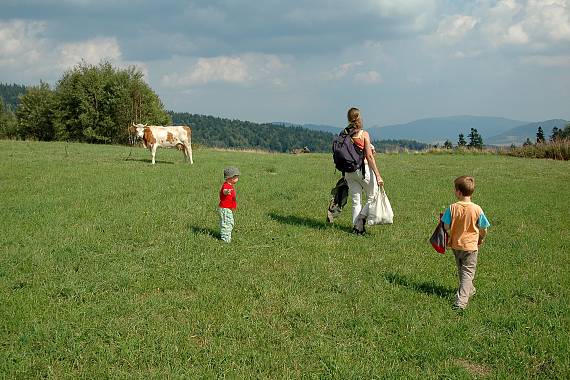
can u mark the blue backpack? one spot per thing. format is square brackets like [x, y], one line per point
[346, 156]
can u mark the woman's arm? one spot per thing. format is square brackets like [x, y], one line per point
[370, 157]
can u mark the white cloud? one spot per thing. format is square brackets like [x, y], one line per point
[466, 54]
[244, 69]
[455, 27]
[91, 51]
[21, 42]
[368, 77]
[524, 27]
[516, 35]
[341, 71]
[29, 56]
[550, 17]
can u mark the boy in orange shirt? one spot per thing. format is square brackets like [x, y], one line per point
[466, 225]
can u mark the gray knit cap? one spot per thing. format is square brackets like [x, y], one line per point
[230, 172]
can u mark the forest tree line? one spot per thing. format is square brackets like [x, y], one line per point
[230, 133]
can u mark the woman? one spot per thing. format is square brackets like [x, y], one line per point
[367, 180]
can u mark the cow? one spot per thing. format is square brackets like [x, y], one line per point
[174, 136]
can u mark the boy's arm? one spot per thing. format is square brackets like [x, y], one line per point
[483, 224]
[446, 219]
[482, 234]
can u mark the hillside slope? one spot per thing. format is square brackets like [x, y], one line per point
[518, 135]
[225, 133]
[439, 129]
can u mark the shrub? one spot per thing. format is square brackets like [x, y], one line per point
[556, 150]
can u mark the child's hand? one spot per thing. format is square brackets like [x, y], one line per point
[227, 191]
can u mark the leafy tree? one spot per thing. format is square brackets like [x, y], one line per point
[97, 103]
[540, 135]
[475, 139]
[35, 113]
[527, 142]
[461, 141]
[448, 144]
[7, 122]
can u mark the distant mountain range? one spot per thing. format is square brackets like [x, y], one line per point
[494, 130]
[434, 130]
[518, 135]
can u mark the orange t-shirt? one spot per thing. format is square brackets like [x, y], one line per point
[464, 231]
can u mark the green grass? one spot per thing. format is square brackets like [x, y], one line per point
[110, 267]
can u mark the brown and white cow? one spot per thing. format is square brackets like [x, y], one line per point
[153, 136]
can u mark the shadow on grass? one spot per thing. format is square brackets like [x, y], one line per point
[422, 287]
[295, 220]
[205, 231]
[148, 161]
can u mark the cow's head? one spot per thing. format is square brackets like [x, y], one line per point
[137, 130]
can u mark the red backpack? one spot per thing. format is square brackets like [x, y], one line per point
[439, 237]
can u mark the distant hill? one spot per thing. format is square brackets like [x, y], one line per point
[226, 133]
[518, 135]
[314, 127]
[381, 146]
[439, 129]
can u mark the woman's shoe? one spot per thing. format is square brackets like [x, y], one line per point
[359, 224]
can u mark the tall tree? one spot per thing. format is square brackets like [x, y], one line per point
[448, 144]
[35, 113]
[539, 135]
[98, 103]
[461, 141]
[527, 142]
[475, 139]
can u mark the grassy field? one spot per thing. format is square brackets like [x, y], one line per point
[111, 268]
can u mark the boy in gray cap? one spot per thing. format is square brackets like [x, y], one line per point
[228, 203]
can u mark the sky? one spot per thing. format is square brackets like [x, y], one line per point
[309, 61]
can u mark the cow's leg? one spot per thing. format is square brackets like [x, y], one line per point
[153, 151]
[188, 147]
[184, 150]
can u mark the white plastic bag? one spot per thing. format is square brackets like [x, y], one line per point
[380, 211]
